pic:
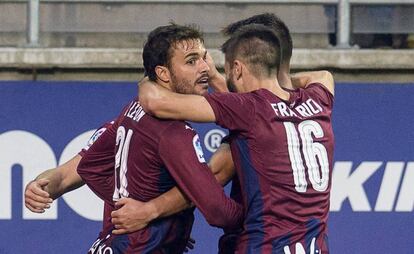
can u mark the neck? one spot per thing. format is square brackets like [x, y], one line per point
[284, 77]
[270, 83]
[163, 84]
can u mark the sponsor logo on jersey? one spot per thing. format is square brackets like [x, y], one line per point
[212, 139]
[94, 137]
[198, 149]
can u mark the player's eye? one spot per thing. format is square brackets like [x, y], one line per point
[191, 61]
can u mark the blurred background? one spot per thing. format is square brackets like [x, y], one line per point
[67, 66]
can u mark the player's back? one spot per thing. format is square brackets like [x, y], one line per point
[291, 151]
[283, 153]
[139, 174]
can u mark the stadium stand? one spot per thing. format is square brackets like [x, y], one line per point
[48, 36]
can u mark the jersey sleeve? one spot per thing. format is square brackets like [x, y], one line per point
[181, 152]
[319, 91]
[96, 167]
[233, 111]
[95, 136]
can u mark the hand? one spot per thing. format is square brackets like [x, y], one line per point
[190, 245]
[213, 72]
[216, 80]
[148, 92]
[132, 215]
[36, 198]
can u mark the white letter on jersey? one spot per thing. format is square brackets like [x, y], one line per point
[346, 185]
[300, 250]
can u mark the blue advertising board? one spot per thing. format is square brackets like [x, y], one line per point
[43, 124]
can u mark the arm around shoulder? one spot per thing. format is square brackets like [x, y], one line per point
[303, 79]
[163, 103]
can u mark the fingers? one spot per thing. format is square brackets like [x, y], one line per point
[31, 195]
[36, 188]
[37, 205]
[119, 231]
[33, 209]
[116, 221]
[120, 228]
[36, 199]
[190, 245]
[121, 202]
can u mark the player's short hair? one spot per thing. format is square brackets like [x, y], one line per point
[272, 21]
[161, 41]
[257, 46]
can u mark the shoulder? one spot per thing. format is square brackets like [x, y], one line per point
[320, 92]
[232, 99]
[177, 129]
[325, 80]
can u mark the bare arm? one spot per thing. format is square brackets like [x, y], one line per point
[51, 184]
[303, 79]
[163, 103]
[135, 215]
[222, 165]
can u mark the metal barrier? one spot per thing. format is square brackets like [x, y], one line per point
[343, 12]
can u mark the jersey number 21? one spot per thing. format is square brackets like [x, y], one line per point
[121, 163]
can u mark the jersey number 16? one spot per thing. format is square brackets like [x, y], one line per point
[318, 173]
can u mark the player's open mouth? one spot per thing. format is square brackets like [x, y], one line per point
[203, 81]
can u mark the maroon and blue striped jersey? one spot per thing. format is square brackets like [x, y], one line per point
[141, 157]
[283, 154]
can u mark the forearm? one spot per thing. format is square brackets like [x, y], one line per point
[303, 79]
[165, 104]
[169, 203]
[62, 179]
[221, 164]
[54, 186]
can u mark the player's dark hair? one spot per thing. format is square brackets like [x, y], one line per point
[256, 45]
[272, 21]
[161, 41]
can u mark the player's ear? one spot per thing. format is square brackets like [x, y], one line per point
[237, 69]
[163, 73]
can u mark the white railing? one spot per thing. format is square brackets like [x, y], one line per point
[343, 7]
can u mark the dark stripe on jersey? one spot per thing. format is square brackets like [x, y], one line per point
[312, 231]
[119, 243]
[254, 217]
[165, 181]
[280, 243]
[157, 232]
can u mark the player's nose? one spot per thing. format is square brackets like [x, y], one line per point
[204, 66]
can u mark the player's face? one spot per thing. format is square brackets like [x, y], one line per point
[189, 70]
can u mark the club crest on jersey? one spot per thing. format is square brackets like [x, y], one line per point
[94, 137]
[198, 149]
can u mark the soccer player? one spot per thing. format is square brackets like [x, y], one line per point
[53, 183]
[282, 32]
[151, 156]
[126, 219]
[281, 143]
